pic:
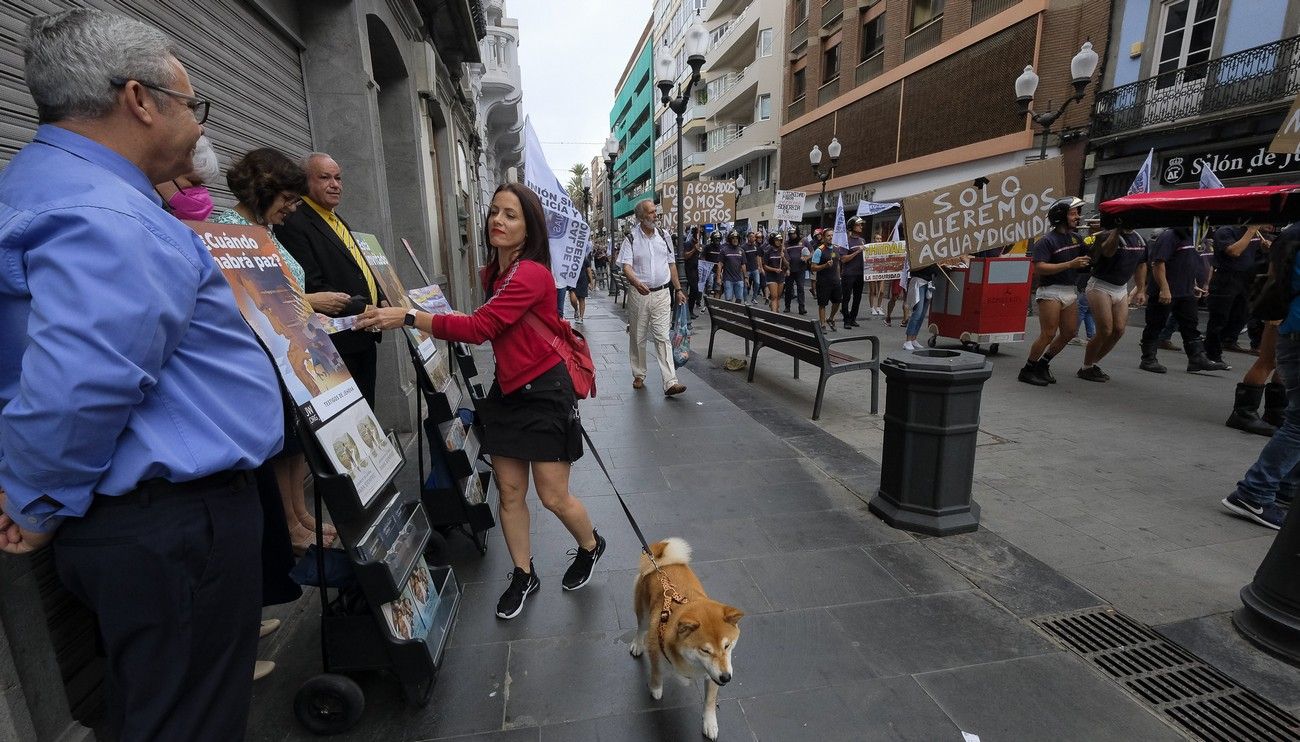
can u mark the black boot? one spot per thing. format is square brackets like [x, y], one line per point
[1245, 411]
[1274, 404]
[1197, 360]
[1149, 362]
[1045, 370]
[1030, 374]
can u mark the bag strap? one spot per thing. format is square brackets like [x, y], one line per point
[536, 324]
[645, 547]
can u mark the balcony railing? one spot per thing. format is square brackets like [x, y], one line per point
[723, 135]
[831, 10]
[1258, 76]
[982, 10]
[923, 38]
[733, 28]
[873, 66]
[720, 86]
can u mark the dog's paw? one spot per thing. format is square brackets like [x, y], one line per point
[656, 692]
[711, 726]
[685, 681]
[637, 647]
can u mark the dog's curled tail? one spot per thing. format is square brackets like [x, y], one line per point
[670, 551]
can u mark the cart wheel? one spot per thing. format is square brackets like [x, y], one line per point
[329, 704]
[993, 349]
[932, 341]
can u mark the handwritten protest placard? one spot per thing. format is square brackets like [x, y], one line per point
[789, 206]
[883, 261]
[705, 202]
[964, 218]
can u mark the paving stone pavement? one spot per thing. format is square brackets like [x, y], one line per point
[853, 630]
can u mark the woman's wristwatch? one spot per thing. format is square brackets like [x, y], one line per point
[409, 319]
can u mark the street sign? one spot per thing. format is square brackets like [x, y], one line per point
[965, 217]
[1253, 160]
[705, 202]
[1287, 140]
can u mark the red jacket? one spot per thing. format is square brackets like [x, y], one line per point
[521, 355]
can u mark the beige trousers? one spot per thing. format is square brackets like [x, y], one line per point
[650, 317]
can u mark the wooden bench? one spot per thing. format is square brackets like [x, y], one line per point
[803, 340]
[729, 316]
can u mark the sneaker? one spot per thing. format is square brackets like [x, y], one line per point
[674, 390]
[579, 573]
[911, 345]
[1269, 516]
[1092, 374]
[522, 584]
[1076, 341]
[1029, 374]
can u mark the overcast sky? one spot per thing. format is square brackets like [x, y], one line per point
[571, 55]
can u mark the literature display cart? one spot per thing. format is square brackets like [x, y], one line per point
[382, 606]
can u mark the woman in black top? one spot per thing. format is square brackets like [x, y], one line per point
[775, 267]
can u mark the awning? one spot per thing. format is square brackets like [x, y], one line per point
[1272, 204]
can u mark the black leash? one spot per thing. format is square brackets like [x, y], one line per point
[645, 547]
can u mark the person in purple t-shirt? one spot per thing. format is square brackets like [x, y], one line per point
[775, 268]
[1173, 289]
[1057, 258]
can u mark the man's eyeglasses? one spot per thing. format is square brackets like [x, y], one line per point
[198, 106]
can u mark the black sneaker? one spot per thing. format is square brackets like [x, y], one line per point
[1029, 375]
[584, 562]
[1152, 365]
[1045, 371]
[1269, 516]
[1092, 373]
[522, 584]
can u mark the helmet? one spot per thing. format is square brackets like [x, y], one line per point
[855, 221]
[1059, 212]
[733, 235]
[715, 236]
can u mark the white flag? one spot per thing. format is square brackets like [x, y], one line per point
[569, 234]
[871, 208]
[1209, 179]
[1142, 183]
[840, 237]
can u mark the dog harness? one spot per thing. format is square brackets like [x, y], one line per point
[670, 596]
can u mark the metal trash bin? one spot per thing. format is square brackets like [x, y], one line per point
[932, 411]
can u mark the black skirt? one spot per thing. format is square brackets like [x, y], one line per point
[537, 422]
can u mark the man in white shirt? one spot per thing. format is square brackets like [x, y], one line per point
[647, 261]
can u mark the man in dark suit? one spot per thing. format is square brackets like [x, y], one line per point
[331, 260]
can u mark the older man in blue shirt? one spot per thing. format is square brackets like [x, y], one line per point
[135, 399]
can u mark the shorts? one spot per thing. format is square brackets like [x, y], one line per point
[774, 278]
[828, 292]
[1066, 295]
[1116, 293]
[537, 422]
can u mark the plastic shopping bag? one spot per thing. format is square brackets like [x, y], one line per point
[681, 336]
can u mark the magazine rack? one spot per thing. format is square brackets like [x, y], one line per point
[389, 611]
[455, 488]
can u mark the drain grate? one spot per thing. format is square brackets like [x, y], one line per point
[1203, 702]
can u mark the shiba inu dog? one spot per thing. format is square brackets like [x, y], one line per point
[697, 636]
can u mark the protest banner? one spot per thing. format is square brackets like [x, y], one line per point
[274, 306]
[1287, 140]
[789, 206]
[840, 235]
[705, 270]
[965, 217]
[871, 208]
[435, 363]
[704, 202]
[568, 230]
[883, 261]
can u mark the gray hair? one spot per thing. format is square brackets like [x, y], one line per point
[641, 206]
[305, 163]
[70, 58]
[206, 166]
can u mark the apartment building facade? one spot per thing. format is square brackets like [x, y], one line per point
[920, 93]
[632, 121]
[671, 19]
[744, 79]
[1201, 83]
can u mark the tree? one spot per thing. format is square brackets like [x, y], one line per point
[574, 186]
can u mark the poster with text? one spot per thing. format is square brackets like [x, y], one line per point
[883, 261]
[357, 447]
[1287, 139]
[385, 275]
[789, 206]
[965, 218]
[313, 372]
[705, 202]
[705, 272]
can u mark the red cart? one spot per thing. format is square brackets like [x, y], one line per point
[982, 304]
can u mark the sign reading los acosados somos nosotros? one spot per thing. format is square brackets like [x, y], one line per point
[965, 218]
[704, 202]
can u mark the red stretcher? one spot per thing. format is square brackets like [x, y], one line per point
[982, 304]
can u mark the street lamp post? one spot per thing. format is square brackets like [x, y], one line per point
[1081, 68]
[697, 43]
[815, 158]
[611, 155]
[586, 196]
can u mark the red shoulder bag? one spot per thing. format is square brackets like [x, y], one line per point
[572, 347]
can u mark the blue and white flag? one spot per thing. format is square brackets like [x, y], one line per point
[1142, 183]
[840, 237]
[1208, 178]
[569, 234]
[871, 208]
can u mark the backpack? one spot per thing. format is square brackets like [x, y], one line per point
[1272, 302]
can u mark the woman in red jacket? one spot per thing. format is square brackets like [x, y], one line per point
[530, 417]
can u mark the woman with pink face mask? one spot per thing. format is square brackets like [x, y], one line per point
[186, 197]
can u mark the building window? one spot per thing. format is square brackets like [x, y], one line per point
[1186, 35]
[764, 173]
[765, 42]
[873, 37]
[924, 11]
[798, 83]
[831, 63]
[800, 11]
[763, 107]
